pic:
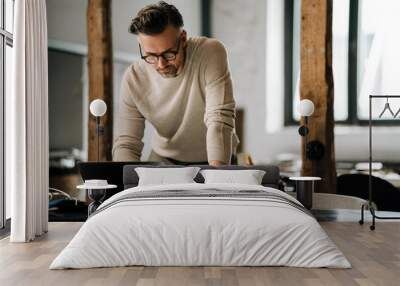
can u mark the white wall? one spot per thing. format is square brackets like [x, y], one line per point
[242, 26]
[66, 20]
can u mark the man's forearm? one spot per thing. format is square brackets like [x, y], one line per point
[219, 143]
[124, 155]
[127, 150]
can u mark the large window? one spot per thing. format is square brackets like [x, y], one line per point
[378, 62]
[365, 57]
[6, 43]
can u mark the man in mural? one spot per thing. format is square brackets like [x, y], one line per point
[182, 86]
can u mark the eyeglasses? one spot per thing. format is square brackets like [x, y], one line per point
[168, 55]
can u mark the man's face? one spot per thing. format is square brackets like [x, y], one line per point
[167, 41]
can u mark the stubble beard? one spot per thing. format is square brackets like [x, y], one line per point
[171, 71]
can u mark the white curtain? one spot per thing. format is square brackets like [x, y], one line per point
[27, 149]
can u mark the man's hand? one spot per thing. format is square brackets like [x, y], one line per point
[216, 163]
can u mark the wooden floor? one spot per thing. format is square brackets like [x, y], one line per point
[374, 255]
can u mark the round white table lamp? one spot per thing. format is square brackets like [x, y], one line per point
[98, 107]
[306, 107]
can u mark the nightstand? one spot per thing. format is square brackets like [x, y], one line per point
[304, 189]
[96, 194]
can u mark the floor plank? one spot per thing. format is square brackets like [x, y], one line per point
[375, 257]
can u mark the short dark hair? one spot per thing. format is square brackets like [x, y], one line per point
[153, 19]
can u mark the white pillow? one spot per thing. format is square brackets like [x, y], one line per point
[248, 177]
[162, 176]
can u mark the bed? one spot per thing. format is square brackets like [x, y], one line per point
[201, 224]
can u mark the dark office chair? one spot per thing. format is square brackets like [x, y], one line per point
[384, 194]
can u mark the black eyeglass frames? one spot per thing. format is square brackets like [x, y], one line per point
[168, 55]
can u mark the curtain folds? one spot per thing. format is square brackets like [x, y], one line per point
[28, 121]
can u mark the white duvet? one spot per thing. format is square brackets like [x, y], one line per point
[200, 231]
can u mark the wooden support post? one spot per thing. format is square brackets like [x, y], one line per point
[316, 84]
[100, 67]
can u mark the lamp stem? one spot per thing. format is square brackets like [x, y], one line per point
[305, 137]
[98, 136]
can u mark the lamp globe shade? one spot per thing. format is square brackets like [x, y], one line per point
[306, 107]
[98, 107]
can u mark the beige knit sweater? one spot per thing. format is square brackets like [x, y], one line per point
[193, 114]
